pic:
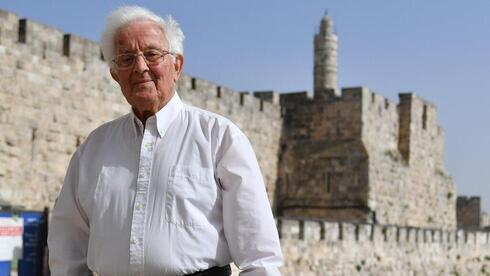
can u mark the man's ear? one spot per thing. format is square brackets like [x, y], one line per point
[179, 63]
[114, 75]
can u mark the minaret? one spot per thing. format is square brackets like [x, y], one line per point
[325, 56]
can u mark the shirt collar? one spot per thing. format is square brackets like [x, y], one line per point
[164, 117]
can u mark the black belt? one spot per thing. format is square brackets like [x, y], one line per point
[213, 271]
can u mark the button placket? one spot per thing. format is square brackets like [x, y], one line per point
[137, 247]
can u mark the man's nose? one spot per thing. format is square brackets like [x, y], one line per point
[140, 65]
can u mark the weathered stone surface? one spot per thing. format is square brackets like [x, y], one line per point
[384, 255]
[468, 211]
[485, 219]
[359, 157]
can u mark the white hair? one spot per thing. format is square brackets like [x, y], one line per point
[124, 15]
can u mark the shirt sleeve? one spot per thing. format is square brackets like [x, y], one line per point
[69, 229]
[249, 226]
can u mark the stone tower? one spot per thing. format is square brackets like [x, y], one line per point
[325, 56]
[468, 212]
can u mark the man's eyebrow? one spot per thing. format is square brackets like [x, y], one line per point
[130, 51]
[127, 50]
[151, 47]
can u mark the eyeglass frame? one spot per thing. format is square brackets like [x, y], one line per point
[142, 53]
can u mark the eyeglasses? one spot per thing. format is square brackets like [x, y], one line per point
[151, 56]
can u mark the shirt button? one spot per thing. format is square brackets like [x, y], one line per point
[134, 241]
[143, 173]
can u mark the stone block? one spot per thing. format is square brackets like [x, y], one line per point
[290, 229]
[40, 39]
[420, 238]
[364, 232]
[312, 230]
[9, 28]
[402, 235]
[80, 48]
[428, 235]
[332, 232]
[460, 237]
[379, 233]
[470, 237]
[411, 235]
[480, 237]
[349, 232]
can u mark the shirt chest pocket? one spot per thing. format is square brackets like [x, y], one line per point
[192, 197]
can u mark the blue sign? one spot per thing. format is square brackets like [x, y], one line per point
[5, 268]
[5, 265]
[33, 247]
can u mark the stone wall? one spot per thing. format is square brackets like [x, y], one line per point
[330, 248]
[55, 89]
[360, 157]
[485, 220]
[408, 182]
[323, 164]
[468, 211]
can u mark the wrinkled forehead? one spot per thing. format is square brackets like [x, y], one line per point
[140, 35]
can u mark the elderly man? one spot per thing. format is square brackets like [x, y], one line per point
[167, 189]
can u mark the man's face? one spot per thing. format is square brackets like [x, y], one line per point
[146, 88]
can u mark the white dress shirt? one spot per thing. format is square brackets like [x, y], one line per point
[181, 194]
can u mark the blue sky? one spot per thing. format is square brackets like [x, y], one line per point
[437, 49]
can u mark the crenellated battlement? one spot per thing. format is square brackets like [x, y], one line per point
[469, 213]
[380, 103]
[343, 248]
[9, 29]
[409, 126]
[45, 41]
[420, 112]
[267, 96]
[328, 231]
[81, 48]
[348, 156]
[262, 101]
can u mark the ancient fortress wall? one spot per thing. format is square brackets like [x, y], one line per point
[359, 157]
[328, 248]
[469, 212]
[323, 163]
[485, 220]
[55, 89]
[408, 181]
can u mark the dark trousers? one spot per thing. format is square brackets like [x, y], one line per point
[213, 271]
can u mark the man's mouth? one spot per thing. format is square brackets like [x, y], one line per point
[141, 81]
